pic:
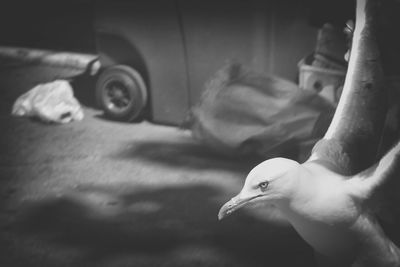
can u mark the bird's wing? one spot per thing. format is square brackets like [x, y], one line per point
[351, 142]
[377, 176]
[379, 186]
[352, 139]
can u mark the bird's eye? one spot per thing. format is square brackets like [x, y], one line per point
[263, 186]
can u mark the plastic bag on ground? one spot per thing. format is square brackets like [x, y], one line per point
[246, 113]
[49, 102]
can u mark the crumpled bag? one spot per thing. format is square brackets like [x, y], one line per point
[49, 102]
[246, 113]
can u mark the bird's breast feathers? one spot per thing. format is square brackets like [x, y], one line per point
[324, 198]
[331, 208]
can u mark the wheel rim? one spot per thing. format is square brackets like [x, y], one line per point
[117, 96]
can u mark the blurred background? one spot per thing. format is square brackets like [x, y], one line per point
[223, 85]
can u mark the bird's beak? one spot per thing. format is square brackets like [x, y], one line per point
[234, 204]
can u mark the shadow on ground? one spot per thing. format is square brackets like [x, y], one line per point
[175, 225]
[189, 155]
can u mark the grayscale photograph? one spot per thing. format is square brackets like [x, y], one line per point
[197, 133]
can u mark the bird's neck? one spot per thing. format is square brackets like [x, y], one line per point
[297, 185]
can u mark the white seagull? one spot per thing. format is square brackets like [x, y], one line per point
[329, 199]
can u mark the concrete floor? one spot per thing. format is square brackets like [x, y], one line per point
[102, 193]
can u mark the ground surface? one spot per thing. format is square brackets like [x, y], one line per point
[102, 193]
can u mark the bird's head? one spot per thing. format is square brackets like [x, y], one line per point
[271, 180]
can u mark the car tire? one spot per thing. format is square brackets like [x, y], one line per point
[121, 93]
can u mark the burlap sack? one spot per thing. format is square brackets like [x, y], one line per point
[243, 112]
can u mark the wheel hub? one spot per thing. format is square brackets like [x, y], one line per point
[118, 97]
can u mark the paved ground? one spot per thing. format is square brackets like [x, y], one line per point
[101, 193]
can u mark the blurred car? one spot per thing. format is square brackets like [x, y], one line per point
[157, 55]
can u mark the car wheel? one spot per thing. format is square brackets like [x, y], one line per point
[121, 93]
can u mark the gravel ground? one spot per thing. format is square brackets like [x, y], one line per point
[102, 193]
